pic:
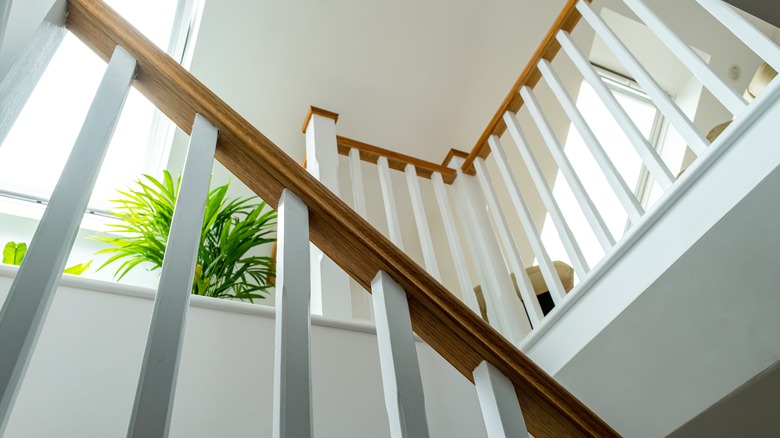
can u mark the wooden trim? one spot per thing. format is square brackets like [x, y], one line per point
[530, 76]
[320, 112]
[438, 317]
[452, 154]
[396, 161]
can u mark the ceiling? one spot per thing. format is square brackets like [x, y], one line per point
[414, 77]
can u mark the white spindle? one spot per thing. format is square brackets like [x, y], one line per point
[461, 268]
[5, 12]
[32, 291]
[663, 102]
[391, 212]
[546, 266]
[587, 206]
[292, 415]
[719, 88]
[498, 402]
[530, 300]
[618, 184]
[649, 155]
[759, 43]
[404, 398]
[358, 194]
[556, 215]
[157, 384]
[423, 230]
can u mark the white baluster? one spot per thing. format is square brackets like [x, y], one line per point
[546, 266]
[719, 88]
[153, 405]
[331, 295]
[391, 212]
[498, 401]
[423, 230]
[292, 416]
[404, 398]
[5, 12]
[649, 155]
[20, 72]
[587, 206]
[618, 184]
[530, 300]
[461, 268]
[32, 291]
[669, 109]
[759, 43]
[358, 195]
[556, 215]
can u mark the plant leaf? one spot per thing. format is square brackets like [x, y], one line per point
[78, 269]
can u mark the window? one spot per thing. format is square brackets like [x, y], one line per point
[37, 146]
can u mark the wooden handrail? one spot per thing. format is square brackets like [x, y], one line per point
[530, 76]
[438, 317]
[395, 160]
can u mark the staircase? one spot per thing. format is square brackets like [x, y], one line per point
[606, 317]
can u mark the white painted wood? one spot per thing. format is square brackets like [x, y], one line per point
[759, 43]
[358, 194]
[703, 72]
[508, 315]
[556, 215]
[151, 415]
[24, 311]
[662, 101]
[391, 212]
[401, 379]
[456, 249]
[331, 294]
[423, 230]
[498, 402]
[545, 264]
[615, 180]
[649, 155]
[5, 12]
[586, 204]
[19, 78]
[531, 302]
[292, 353]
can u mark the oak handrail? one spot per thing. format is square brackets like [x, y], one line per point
[530, 76]
[438, 317]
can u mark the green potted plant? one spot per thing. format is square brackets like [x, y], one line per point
[227, 265]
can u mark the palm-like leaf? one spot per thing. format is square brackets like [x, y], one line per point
[231, 230]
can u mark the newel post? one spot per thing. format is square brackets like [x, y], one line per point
[330, 292]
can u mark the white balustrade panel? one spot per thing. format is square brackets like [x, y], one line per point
[292, 416]
[153, 405]
[498, 401]
[25, 309]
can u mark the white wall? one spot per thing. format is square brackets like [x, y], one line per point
[82, 377]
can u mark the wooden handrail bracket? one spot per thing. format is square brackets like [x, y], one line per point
[441, 319]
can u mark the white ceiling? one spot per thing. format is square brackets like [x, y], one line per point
[414, 77]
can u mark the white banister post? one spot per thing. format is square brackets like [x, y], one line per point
[505, 311]
[662, 101]
[586, 204]
[646, 151]
[532, 307]
[615, 180]
[546, 266]
[556, 215]
[498, 402]
[153, 405]
[456, 249]
[423, 230]
[759, 43]
[404, 397]
[292, 414]
[388, 196]
[331, 295]
[703, 72]
[32, 291]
